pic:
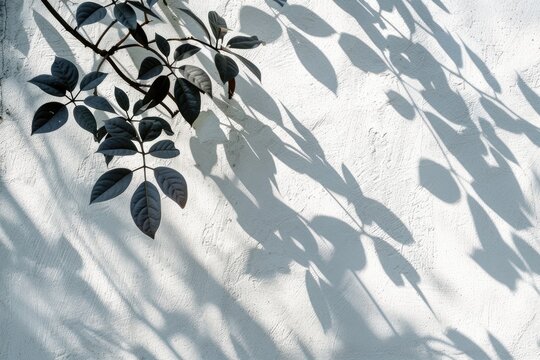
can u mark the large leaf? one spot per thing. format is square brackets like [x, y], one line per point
[164, 124]
[251, 66]
[150, 67]
[150, 129]
[164, 149]
[184, 51]
[146, 208]
[198, 20]
[50, 84]
[227, 67]
[143, 8]
[66, 71]
[117, 146]
[110, 185]
[125, 14]
[173, 184]
[244, 42]
[163, 45]
[89, 13]
[139, 35]
[99, 103]
[188, 99]
[85, 119]
[119, 127]
[157, 92]
[121, 98]
[217, 24]
[92, 80]
[49, 117]
[197, 77]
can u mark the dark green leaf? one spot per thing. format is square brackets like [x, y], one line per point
[164, 149]
[197, 19]
[251, 66]
[244, 42]
[150, 67]
[157, 92]
[110, 185]
[226, 67]
[188, 99]
[163, 45]
[197, 77]
[217, 24]
[164, 124]
[89, 13]
[100, 134]
[184, 51]
[232, 87]
[150, 129]
[151, 2]
[173, 184]
[125, 14]
[117, 146]
[139, 107]
[121, 98]
[50, 84]
[119, 127]
[66, 71]
[99, 103]
[139, 35]
[49, 117]
[146, 208]
[92, 80]
[85, 119]
[143, 8]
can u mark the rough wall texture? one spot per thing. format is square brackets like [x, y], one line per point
[375, 198]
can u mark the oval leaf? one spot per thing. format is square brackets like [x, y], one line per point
[117, 146]
[197, 77]
[173, 184]
[125, 14]
[251, 66]
[150, 129]
[50, 84]
[163, 45]
[226, 67]
[139, 35]
[164, 149]
[188, 99]
[66, 71]
[121, 98]
[49, 117]
[110, 185]
[164, 124]
[85, 119]
[92, 80]
[99, 103]
[184, 51]
[146, 208]
[217, 24]
[119, 127]
[150, 67]
[244, 42]
[157, 92]
[89, 13]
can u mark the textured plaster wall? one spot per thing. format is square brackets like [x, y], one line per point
[374, 198]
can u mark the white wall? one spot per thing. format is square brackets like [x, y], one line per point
[375, 198]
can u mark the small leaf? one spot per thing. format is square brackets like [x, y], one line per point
[150, 129]
[197, 19]
[139, 35]
[85, 119]
[143, 8]
[173, 184]
[117, 146]
[188, 99]
[119, 127]
[251, 66]
[66, 71]
[49, 117]
[184, 51]
[163, 45]
[197, 77]
[99, 103]
[217, 24]
[150, 67]
[164, 124]
[89, 13]
[164, 149]
[121, 98]
[157, 92]
[125, 14]
[226, 67]
[110, 185]
[92, 80]
[146, 208]
[100, 134]
[50, 84]
[244, 42]
[139, 107]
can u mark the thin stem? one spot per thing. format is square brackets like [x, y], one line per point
[106, 31]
